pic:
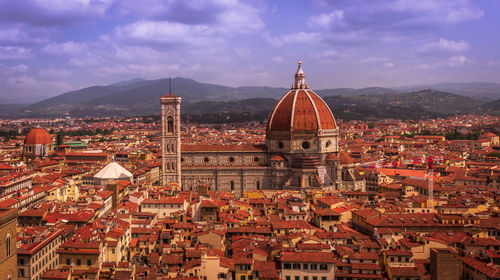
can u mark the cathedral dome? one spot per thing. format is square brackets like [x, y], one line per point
[37, 136]
[331, 157]
[345, 158]
[301, 109]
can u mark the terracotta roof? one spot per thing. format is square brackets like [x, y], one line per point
[169, 200]
[331, 156]
[229, 148]
[301, 110]
[36, 136]
[309, 257]
[277, 158]
[345, 158]
[486, 269]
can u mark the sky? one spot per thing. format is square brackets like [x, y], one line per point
[48, 47]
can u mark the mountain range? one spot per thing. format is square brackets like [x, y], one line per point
[210, 101]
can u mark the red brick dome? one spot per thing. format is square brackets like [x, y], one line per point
[36, 136]
[301, 109]
[345, 158]
[331, 157]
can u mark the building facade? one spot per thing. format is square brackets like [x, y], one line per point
[171, 138]
[301, 150]
[8, 255]
[37, 144]
[38, 252]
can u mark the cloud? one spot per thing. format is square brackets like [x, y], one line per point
[395, 20]
[374, 59]
[69, 48]
[295, 38]
[52, 12]
[134, 53]
[54, 73]
[230, 16]
[163, 32]
[277, 59]
[448, 11]
[15, 53]
[87, 60]
[26, 84]
[327, 54]
[13, 70]
[217, 20]
[457, 61]
[240, 19]
[493, 63]
[326, 20]
[137, 69]
[445, 45]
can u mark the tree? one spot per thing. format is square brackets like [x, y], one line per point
[60, 138]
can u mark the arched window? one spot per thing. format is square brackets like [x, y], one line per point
[232, 185]
[258, 185]
[173, 166]
[170, 124]
[172, 148]
[7, 245]
[168, 148]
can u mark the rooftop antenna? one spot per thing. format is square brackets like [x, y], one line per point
[170, 85]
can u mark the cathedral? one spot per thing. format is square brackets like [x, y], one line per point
[301, 150]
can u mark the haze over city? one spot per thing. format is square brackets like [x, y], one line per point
[50, 47]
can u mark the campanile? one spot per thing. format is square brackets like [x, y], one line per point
[170, 138]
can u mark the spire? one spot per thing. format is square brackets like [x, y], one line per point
[300, 78]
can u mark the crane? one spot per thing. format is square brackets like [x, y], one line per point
[430, 177]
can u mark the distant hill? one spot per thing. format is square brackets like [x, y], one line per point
[354, 92]
[141, 97]
[414, 105]
[477, 90]
[138, 97]
[491, 107]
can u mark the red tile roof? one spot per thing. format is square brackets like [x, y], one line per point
[306, 109]
[36, 136]
[309, 257]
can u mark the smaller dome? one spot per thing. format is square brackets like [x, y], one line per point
[331, 157]
[345, 158]
[37, 136]
[277, 158]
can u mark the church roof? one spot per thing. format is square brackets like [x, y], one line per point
[36, 136]
[113, 171]
[301, 109]
[223, 148]
[345, 158]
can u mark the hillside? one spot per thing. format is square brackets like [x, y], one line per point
[412, 105]
[415, 105]
[476, 90]
[354, 92]
[141, 97]
[491, 107]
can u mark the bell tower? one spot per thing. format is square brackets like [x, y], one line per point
[170, 138]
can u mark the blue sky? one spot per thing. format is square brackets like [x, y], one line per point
[48, 47]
